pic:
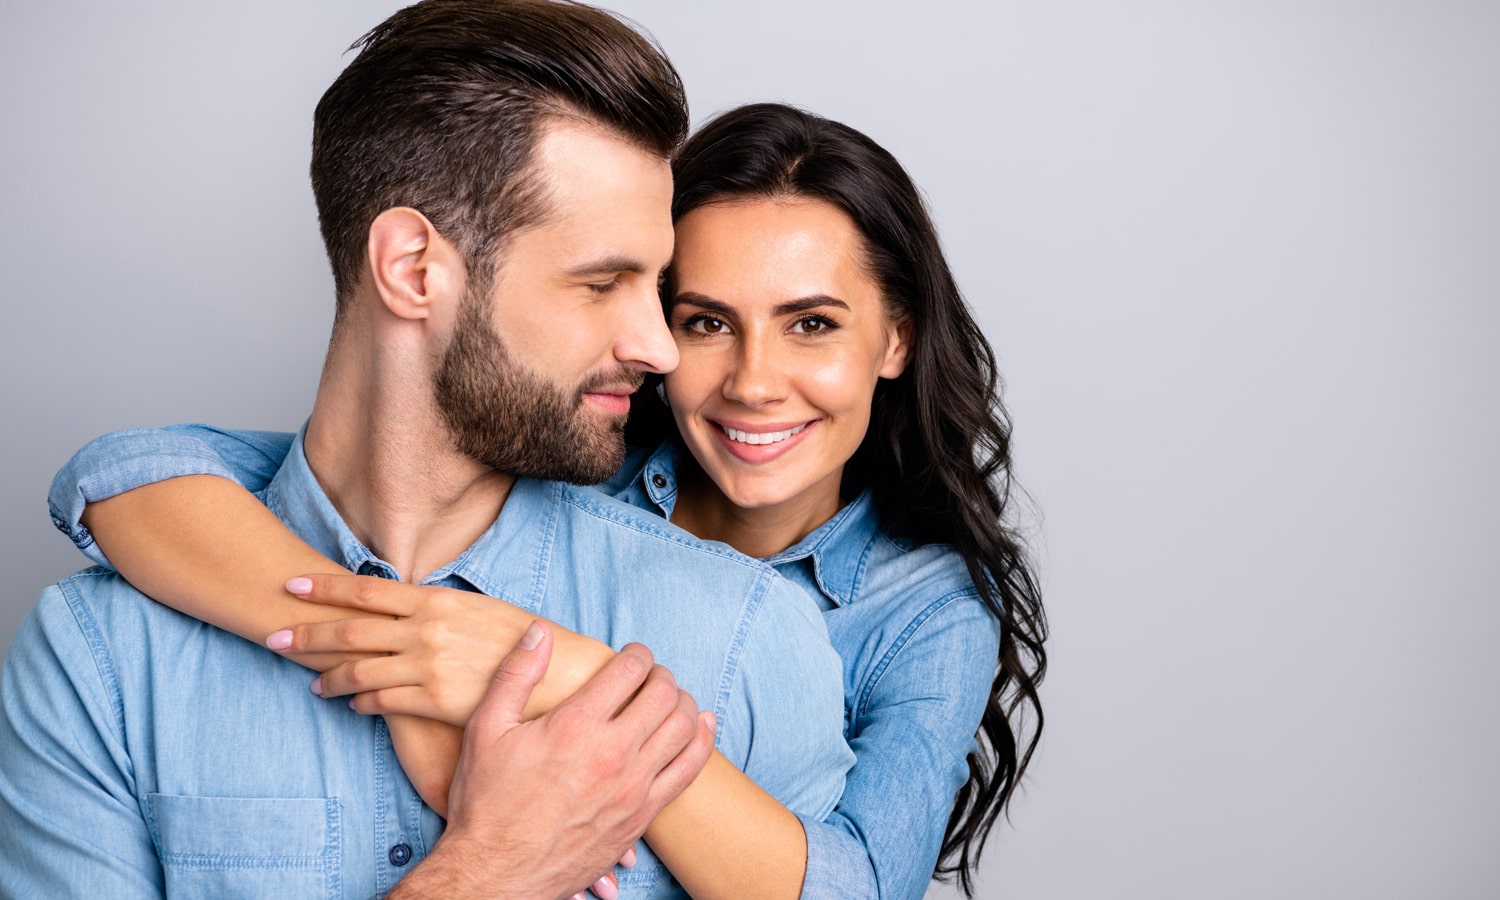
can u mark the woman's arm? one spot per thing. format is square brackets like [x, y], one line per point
[207, 548]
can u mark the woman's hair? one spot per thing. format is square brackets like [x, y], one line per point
[936, 456]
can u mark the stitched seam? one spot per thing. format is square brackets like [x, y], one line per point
[754, 603]
[333, 848]
[626, 518]
[99, 650]
[901, 642]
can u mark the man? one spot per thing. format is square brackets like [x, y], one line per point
[493, 191]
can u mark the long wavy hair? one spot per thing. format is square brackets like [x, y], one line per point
[936, 456]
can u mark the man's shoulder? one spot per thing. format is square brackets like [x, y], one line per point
[96, 613]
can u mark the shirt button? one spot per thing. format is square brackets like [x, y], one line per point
[400, 854]
[659, 480]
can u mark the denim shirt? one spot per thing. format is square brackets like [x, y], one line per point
[917, 645]
[143, 752]
[919, 650]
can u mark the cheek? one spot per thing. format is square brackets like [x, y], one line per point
[838, 385]
[691, 383]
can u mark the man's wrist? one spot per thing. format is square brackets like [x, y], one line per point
[458, 867]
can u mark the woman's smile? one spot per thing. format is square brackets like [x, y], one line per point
[782, 336]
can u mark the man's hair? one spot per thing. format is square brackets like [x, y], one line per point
[443, 106]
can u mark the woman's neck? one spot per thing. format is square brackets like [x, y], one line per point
[704, 511]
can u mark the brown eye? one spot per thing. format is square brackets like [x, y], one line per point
[706, 325]
[813, 325]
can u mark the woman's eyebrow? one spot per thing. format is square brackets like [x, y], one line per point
[789, 307]
[696, 299]
[804, 304]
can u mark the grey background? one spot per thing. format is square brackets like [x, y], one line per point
[1240, 264]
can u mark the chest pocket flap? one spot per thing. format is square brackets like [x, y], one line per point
[246, 846]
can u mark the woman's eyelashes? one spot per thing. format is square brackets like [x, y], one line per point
[813, 325]
[703, 323]
[706, 324]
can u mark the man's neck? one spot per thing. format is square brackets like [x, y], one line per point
[382, 455]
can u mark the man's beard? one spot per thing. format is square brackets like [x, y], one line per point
[517, 422]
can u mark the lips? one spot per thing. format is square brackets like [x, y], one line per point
[760, 437]
[614, 400]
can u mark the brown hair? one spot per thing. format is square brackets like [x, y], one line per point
[442, 108]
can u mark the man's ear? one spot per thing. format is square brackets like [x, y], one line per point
[415, 270]
[897, 349]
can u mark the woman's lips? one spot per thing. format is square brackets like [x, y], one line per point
[760, 443]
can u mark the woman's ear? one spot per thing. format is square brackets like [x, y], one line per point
[899, 337]
[415, 270]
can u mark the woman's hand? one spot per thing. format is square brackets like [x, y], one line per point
[441, 649]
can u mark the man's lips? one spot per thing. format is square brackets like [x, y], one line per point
[613, 400]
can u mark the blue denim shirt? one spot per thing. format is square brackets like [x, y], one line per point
[918, 646]
[919, 650]
[143, 752]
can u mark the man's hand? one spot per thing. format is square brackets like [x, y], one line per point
[543, 808]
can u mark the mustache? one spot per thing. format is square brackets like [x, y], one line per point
[622, 377]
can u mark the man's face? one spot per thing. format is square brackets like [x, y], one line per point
[576, 300]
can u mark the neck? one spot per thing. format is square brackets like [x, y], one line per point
[380, 451]
[761, 532]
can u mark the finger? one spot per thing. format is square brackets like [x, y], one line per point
[672, 735]
[612, 685]
[366, 592]
[342, 636]
[680, 772]
[373, 674]
[606, 888]
[643, 714]
[517, 676]
[628, 860]
[411, 700]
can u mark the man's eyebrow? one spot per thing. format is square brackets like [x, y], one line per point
[608, 265]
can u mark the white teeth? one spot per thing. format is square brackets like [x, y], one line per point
[767, 437]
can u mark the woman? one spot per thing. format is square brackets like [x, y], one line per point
[834, 413]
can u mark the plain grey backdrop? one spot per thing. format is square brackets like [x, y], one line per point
[1240, 261]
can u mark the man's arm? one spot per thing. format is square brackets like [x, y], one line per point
[543, 808]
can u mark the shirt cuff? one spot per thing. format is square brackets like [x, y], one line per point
[837, 864]
[119, 462]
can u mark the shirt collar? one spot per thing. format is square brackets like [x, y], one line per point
[508, 560]
[838, 548]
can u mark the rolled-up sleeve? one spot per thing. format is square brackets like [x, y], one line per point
[125, 460]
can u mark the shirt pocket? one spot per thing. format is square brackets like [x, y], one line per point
[246, 846]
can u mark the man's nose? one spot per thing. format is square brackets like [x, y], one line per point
[644, 341]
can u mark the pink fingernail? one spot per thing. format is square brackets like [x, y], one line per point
[317, 686]
[532, 637]
[628, 859]
[279, 640]
[301, 586]
[605, 889]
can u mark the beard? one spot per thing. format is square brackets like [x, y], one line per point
[503, 415]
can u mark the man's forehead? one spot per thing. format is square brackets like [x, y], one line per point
[606, 202]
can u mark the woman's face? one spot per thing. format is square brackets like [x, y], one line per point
[782, 337]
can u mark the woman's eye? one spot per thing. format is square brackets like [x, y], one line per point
[706, 325]
[813, 325]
